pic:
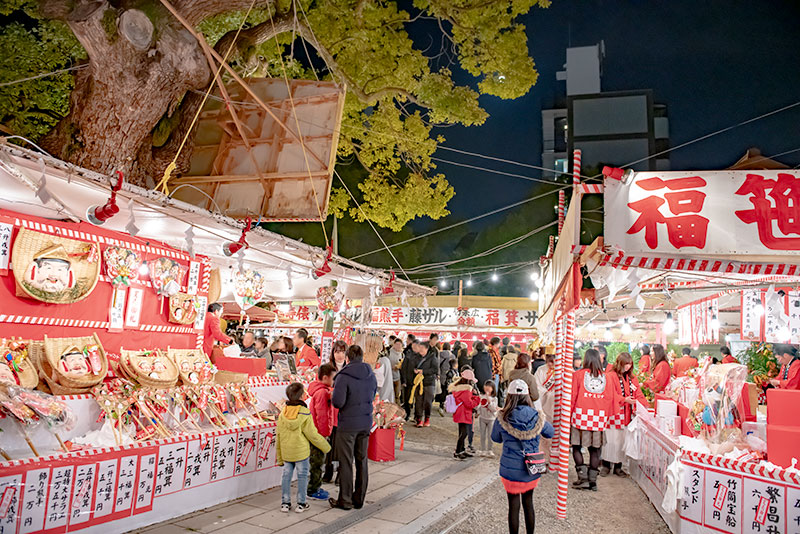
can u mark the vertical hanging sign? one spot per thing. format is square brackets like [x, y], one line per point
[194, 278]
[5, 246]
[134, 309]
[116, 312]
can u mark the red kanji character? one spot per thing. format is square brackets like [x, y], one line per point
[397, 315]
[375, 315]
[492, 317]
[383, 315]
[461, 320]
[292, 313]
[682, 230]
[511, 318]
[471, 321]
[302, 313]
[785, 191]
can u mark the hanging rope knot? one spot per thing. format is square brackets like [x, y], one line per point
[162, 185]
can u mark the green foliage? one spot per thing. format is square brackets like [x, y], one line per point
[760, 361]
[30, 45]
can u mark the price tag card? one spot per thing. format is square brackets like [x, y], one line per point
[116, 312]
[10, 489]
[764, 506]
[723, 501]
[793, 510]
[246, 452]
[5, 246]
[58, 508]
[82, 494]
[171, 468]
[198, 463]
[126, 483]
[194, 278]
[145, 483]
[266, 448]
[34, 500]
[202, 307]
[133, 311]
[224, 458]
[691, 505]
[106, 487]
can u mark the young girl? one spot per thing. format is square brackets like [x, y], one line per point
[487, 413]
[466, 401]
[594, 400]
[627, 388]
[518, 427]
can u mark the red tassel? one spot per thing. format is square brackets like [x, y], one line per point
[33, 272]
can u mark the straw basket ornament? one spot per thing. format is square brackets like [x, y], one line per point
[371, 341]
[166, 275]
[74, 364]
[182, 308]
[16, 365]
[214, 285]
[54, 269]
[193, 366]
[149, 367]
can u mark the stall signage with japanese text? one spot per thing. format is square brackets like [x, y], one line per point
[716, 213]
[464, 317]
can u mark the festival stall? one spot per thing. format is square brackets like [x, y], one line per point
[699, 259]
[111, 415]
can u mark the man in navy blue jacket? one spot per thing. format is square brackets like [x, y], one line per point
[354, 390]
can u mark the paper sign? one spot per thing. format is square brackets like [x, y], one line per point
[224, 458]
[327, 346]
[9, 495]
[6, 500]
[198, 463]
[762, 509]
[202, 307]
[5, 246]
[134, 308]
[752, 311]
[126, 485]
[719, 499]
[764, 506]
[116, 312]
[106, 481]
[34, 500]
[793, 510]
[691, 506]
[245, 446]
[194, 278]
[723, 502]
[83, 493]
[58, 500]
[144, 487]
[171, 468]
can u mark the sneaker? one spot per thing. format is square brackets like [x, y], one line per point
[489, 454]
[427, 422]
[467, 454]
[302, 508]
[320, 495]
[471, 449]
[285, 508]
[441, 411]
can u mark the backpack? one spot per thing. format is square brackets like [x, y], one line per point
[450, 404]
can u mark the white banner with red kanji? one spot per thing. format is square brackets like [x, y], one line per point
[716, 213]
[444, 317]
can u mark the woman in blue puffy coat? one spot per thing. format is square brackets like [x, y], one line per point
[518, 427]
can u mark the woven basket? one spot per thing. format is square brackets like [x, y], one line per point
[182, 357]
[28, 375]
[230, 377]
[214, 286]
[178, 309]
[48, 380]
[83, 273]
[371, 342]
[54, 347]
[129, 362]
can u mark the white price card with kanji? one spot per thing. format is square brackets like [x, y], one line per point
[144, 487]
[246, 455]
[223, 461]
[752, 311]
[116, 311]
[171, 468]
[723, 500]
[764, 506]
[5, 246]
[133, 311]
[10, 489]
[58, 500]
[691, 505]
[793, 510]
[82, 494]
[106, 487]
[126, 483]
[265, 453]
[34, 500]
[202, 306]
[198, 463]
[794, 316]
[194, 278]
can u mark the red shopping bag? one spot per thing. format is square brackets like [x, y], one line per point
[381, 445]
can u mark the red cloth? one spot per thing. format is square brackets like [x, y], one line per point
[683, 364]
[793, 377]
[513, 487]
[466, 402]
[212, 333]
[321, 408]
[631, 389]
[644, 364]
[306, 357]
[660, 379]
[729, 359]
[591, 409]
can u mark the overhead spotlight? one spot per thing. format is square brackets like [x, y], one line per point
[608, 335]
[534, 295]
[623, 175]
[626, 327]
[495, 277]
[759, 310]
[669, 324]
[98, 215]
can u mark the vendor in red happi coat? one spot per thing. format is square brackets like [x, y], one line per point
[661, 371]
[789, 375]
[629, 393]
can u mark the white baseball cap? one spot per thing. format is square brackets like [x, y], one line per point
[518, 387]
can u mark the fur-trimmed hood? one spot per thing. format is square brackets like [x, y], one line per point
[452, 388]
[524, 423]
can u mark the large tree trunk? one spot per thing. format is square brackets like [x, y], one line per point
[125, 91]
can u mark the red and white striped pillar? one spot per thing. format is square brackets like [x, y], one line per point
[562, 201]
[576, 169]
[565, 420]
[554, 446]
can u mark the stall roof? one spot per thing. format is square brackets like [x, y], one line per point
[66, 192]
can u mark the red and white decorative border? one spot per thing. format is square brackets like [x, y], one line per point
[79, 323]
[588, 189]
[752, 468]
[621, 261]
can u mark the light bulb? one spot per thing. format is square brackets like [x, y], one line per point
[534, 275]
[784, 334]
[443, 283]
[495, 277]
[714, 322]
[144, 270]
[539, 283]
[626, 327]
[669, 324]
[607, 335]
[534, 295]
[590, 326]
[469, 282]
[759, 310]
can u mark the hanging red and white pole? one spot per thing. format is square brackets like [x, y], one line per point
[566, 416]
[562, 201]
[554, 446]
[576, 169]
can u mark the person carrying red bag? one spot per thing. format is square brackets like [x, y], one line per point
[466, 401]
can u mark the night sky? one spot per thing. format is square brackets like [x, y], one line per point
[713, 63]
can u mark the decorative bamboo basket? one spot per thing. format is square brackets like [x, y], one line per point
[130, 360]
[214, 286]
[54, 347]
[230, 377]
[83, 258]
[178, 312]
[28, 375]
[186, 360]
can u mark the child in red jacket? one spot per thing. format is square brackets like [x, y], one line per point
[466, 401]
[323, 414]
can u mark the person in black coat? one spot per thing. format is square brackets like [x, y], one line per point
[354, 390]
[428, 367]
[410, 361]
[482, 363]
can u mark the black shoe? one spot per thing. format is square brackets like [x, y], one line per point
[467, 455]
[358, 506]
[335, 504]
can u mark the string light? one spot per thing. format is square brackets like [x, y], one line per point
[534, 295]
[759, 310]
[534, 275]
[539, 283]
[469, 282]
[144, 270]
[714, 322]
[443, 283]
[607, 335]
[669, 324]
[495, 277]
[626, 327]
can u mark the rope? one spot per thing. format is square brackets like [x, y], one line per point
[299, 133]
[43, 75]
[162, 185]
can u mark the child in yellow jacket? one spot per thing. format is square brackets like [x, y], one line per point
[296, 430]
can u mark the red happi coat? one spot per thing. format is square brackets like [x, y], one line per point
[627, 387]
[594, 400]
